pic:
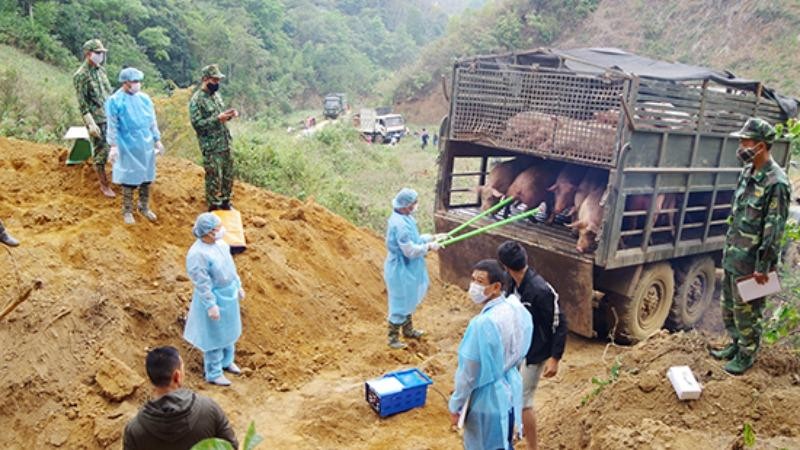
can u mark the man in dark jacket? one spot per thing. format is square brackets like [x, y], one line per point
[176, 418]
[549, 328]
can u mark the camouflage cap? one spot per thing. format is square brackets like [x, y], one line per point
[757, 129]
[212, 71]
[93, 45]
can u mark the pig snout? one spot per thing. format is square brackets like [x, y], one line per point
[586, 241]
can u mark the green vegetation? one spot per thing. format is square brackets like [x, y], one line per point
[251, 441]
[277, 53]
[600, 383]
[748, 435]
[37, 100]
[499, 27]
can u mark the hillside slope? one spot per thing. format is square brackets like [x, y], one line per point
[751, 38]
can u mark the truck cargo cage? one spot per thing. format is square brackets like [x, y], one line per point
[548, 113]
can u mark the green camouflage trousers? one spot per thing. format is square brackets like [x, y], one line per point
[219, 177]
[742, 320]
[100, 146]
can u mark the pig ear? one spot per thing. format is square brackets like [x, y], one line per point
[552, 188]
[497, 193]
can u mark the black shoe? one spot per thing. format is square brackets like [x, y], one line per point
[213, 208]
[226, 206]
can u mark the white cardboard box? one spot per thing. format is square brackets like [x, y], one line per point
[684, 382]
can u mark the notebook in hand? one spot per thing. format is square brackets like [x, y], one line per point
[750, 290]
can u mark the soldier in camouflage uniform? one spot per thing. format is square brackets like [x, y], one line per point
[753, 242]
[6, 238]
[209, 116]
[93, 88]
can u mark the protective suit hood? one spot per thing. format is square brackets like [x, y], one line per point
[168, 417]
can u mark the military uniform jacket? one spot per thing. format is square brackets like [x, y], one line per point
[760, 208]
[92, 88]
[212, 134]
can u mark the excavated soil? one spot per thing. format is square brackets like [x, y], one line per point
[72, 360]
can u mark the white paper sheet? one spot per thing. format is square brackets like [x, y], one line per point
[76, 133]
[750, 290]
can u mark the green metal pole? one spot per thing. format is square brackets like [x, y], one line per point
[480, 216]
[479, 231]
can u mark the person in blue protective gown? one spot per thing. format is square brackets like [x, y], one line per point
[134, 140]
[487, 380]
[214, 323]
[404, 270]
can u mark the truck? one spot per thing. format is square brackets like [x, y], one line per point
[334, 105]
[381, 126]
[654, 128]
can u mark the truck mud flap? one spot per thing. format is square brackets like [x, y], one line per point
[570, 276]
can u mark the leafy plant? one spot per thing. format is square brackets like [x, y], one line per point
[251, 441]
[600, 383]
[748, 435]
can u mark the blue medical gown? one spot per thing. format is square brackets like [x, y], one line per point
[404, 270]
[213, 272]
[494, 344]
[133, 129]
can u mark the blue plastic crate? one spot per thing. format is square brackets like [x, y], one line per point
[413, 394]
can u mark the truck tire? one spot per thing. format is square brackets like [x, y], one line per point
[643, 314]
[694, 288]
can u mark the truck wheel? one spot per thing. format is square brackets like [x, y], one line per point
[694, 288]
[644, 313]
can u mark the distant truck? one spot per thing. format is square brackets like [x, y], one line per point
[380, 125]
[334, 105]
[653, 130]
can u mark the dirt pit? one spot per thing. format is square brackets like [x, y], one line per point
[314, 330]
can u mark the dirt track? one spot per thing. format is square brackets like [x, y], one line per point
[313, 332]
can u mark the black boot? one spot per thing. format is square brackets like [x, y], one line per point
[144, 202]
[127, 205]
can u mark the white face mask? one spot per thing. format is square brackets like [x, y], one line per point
[219, 234]
[97, 58]
[135, 88]
[476, 292]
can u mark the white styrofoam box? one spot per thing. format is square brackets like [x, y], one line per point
[684, 382]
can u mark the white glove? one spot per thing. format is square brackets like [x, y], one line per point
[213, 312]
[441, 237]
[113, 154]
[435, 246]
[159, 148]
[241, 294]
[91, 126]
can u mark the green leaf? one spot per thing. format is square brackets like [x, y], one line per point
[213, 444]
[749, 435]
[252, 439]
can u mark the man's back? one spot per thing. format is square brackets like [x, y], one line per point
[177, 421]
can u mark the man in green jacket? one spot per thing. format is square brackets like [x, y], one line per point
[175, 418]
[209, 119]
[753, 243]
[92, 88]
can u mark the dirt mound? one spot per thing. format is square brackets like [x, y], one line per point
[641, 410]
[74, 353]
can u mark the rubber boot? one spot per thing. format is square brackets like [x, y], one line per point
[409, 331]
[105, 188]
[728, 352]
[740, 363]
[144, 202]
[394, 337]
[127, 205]
[7, 239]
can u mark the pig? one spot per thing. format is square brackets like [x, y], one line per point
[564, 189]
[589, 218]
[530, 129]
[499, 179]
[591, 179]
[530, 186]
[641, 202]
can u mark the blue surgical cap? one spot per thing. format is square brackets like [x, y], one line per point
[130, 74]
[204, 224]
[406, 197]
